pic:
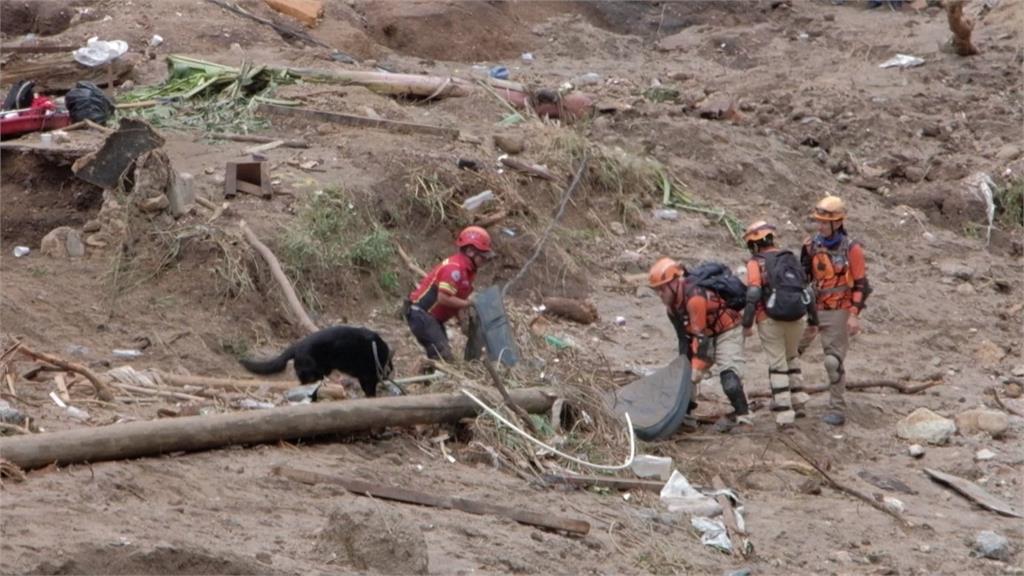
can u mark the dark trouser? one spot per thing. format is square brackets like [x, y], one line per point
[429, 333]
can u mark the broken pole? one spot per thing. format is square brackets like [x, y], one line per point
[363, 488]
[358, 121]
[195, 433]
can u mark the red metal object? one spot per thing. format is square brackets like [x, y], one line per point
[40, 117]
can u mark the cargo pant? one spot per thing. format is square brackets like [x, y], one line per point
[429, 333]
[780, 341]
[835, 341]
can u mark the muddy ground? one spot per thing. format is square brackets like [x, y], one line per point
[814, 113]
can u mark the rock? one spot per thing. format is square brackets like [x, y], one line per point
[841, 557]
[55, 243]
[374, 536]
[982, 420]
[509, 144]
[811, 486]
[629, 261]
[181, 193]
[73, 244]
[915, 450]
[1018, 370]
[617, 228]
[923, 425]
[992, 545]
[154, 204]
[966, 289]
[984, 455]
[989, 354]
[91, 226]
[718, 108]
[1013, 390]
[956, 269]
[1008, 153]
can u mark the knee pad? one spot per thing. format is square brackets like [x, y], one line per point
[730, 381]
[834, 367]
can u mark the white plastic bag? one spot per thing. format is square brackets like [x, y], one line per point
[97, 52]
[679, 496]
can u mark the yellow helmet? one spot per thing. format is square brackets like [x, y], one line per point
[829, 209]
[758, 231]
[664, 271]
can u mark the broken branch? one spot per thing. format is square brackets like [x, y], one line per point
[362, 488]
[409, 262]
[282, 280]
[740, 545]
[102, 390]
[508, 399]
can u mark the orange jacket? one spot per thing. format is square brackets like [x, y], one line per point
[839, 274]
[705, 313]
[755, 278]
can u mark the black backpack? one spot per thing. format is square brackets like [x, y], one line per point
[87, 102]
[785, 292]
[719, 278]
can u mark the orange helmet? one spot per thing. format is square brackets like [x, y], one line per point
[758, 231]
[476, 237]
[829, 209]
[664, 271]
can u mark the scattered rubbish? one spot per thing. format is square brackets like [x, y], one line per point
[679, 496]
[9, 415]
[587, 79]
[475, 202]
[992, 545]
[557, 342]
[923, 425]
[893, 504]
[620, 320]
[303, 394]
[646, 466]
[984, 454]
[973, 492]
[527, 57]
[339, 56]
[126, 353]
[97, 52]
[983, 187]
[250, 404]
[499, 72]
[20, 251]
[669, 214]
[915, 450]
[712, 533]
[156, 40]
[508, 232]
[902, 61]
[75, 413]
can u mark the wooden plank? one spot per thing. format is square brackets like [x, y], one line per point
[194, 433]
[736, 535]
[250, 188]
[37, 48]
[363, 488]
[258, 139]
[605, 482]
[357, 121]
[264, 147]
[973, 492]
[305, 11]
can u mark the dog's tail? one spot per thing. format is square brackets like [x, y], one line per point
[269, 366]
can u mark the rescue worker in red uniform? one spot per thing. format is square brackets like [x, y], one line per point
[836, 267]
[445, 291]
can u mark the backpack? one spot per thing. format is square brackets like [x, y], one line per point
[718, 278]
[87, 102]
[785, 296]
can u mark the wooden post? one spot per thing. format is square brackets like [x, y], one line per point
[193, 433]
[363, 488]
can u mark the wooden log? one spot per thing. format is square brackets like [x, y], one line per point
[363, 488]
[282, 280]
[58, 73]
[973, 492]
[412, 266]
[605, 482]
[194, 433]
[264, 147]
[259, 140]
[576, 310]
[357, 121]
[390, 83]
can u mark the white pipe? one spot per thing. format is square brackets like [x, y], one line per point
[500, 418]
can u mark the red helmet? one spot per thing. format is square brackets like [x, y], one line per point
[476, 237]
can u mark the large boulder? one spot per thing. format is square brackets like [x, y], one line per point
[923, 425]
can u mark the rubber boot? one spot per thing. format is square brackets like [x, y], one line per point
[733, 388]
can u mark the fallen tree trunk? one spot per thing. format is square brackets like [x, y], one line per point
[58, 73]
[194, 433]
[358, 121]
[389, 83]
[259, 140]
[282, 280]
[576, 310]
[362, 488]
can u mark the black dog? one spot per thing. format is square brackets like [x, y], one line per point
[358, 352]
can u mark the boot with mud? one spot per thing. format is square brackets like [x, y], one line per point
[733, 388]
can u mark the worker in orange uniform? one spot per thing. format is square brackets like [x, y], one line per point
[709, 332]
[781, 303]
[836, 266]
[445, 291]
